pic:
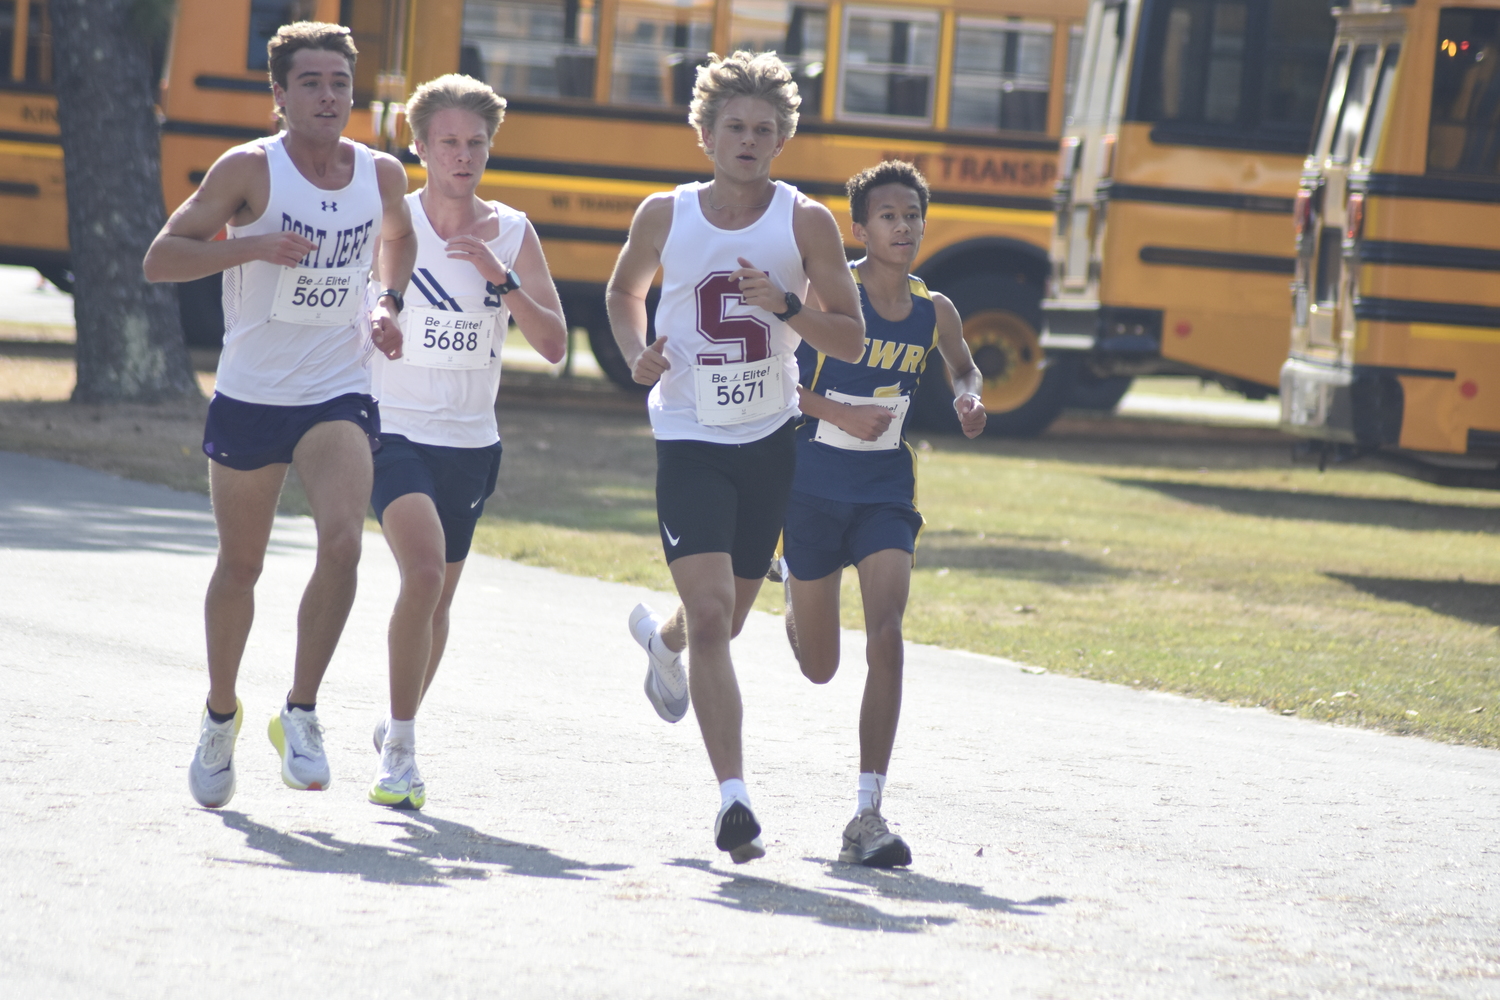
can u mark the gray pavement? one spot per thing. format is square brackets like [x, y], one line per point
[1072, 839]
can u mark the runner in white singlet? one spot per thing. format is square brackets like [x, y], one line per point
[738, 256]
[478, 263]
[303, 211]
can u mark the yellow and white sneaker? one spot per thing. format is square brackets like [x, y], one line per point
[298, 738]
[211, 774]
[398, 783]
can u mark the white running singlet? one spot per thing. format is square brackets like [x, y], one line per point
[707, 324]
[452, 407]
[280, 363]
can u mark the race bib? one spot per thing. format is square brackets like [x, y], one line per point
[733, 394]
[311, 296]
[830, 434]
[438, 338]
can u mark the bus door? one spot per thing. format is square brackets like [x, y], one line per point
[1396, 326]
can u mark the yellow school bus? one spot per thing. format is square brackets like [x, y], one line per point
[1395, 348]
[972, 91]
[1179, 164]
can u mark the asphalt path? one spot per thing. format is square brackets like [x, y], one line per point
[1071, 839]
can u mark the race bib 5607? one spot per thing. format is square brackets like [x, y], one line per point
[319, 296]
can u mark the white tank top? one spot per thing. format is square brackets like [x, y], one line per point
[707, 323]
[442, 406]
[279, 363]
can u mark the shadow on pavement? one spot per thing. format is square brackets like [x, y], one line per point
[437, 851]
[1409, 515]
[1478, 603]
[897, 883]
[758, 895]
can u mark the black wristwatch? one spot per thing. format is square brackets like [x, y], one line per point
[400, 300]
[512, 282]
[793, 307]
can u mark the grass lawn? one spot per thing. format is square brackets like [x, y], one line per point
[1206, 565]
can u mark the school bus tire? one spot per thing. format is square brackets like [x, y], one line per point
[1024, 388]
[590, 313]
[1091, 392]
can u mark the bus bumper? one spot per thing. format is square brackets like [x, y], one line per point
[1085, 326]
[1334, 402]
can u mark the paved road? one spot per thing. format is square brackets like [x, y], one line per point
[1072, 839]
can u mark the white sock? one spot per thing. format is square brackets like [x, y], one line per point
[404, 730]
[871, 791]
[660, 648]
[733, 789]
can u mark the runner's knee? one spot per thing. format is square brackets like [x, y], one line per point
[709, 617]
[239, 571]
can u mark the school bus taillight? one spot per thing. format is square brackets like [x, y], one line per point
[1302, 212]
[1354, 228]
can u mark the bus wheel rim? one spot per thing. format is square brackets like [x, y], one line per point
[1009, 356]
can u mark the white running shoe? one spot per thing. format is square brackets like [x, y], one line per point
[398, 784]
[380, 728]
[211, 774]
[298, 738]
[666, 681]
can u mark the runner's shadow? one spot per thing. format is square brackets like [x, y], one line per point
[758, 895]
[435, 851]
[897, 883]
[1470, 601]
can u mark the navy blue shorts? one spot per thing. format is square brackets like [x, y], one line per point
[249, 436]
[725, 498]
[823, 536]
[457, 480]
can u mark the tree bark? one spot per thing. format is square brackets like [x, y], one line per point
[130, 346]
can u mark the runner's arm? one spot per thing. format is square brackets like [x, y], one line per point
[535, 304]
[397, 253]
[866, 422]
[836, 326]
[186, 250]
[967, 381]
[625, 299]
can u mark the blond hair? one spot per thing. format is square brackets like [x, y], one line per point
[744, 74]
[292, 38]
[453, 90]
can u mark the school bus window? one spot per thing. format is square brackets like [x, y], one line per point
[1464, 136]
[1075, 51]
[1338, 76]
[1296, 58]
[371, 22]
[1201, 63]
[1369, 144]
[535, 48]
[888, 64]
[31, 60]
[265, 17]
[797, 31]
[659, 45]
[1002, 72]
[1096, 89]
[1351, 120]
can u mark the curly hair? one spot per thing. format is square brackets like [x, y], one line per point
[889, 172]
[292, 38]
[744, 74]
[453, 90]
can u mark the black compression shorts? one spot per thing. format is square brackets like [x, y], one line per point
[725, 498]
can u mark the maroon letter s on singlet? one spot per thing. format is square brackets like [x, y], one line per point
[716, 293]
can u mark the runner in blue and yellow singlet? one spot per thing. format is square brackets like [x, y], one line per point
[853, 496]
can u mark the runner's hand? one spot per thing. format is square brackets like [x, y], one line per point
[757, 288]
[385, 331]
[971, 415]
[477, 252]
[286, 248]
[866, 422]
[652, 363]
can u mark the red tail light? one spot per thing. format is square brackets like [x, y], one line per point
[1067, 157]
[1107, 157]
[1354, 228]
[1302, 212]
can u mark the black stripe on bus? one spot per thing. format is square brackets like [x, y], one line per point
[1414, 311]
[21, 189]
[41, 138]
[1434, 188]
[1182, 134]
[1195, 197]
[213, 131]
[206, 82]
[669, 178]
[678, 116]
[1429, 255]
[585, 234]
[1219, 260]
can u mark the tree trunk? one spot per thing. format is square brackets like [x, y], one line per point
[130, 346]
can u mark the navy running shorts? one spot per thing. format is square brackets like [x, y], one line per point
[823, 536]
[725, 498]
[249, 436]
[457, 480]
